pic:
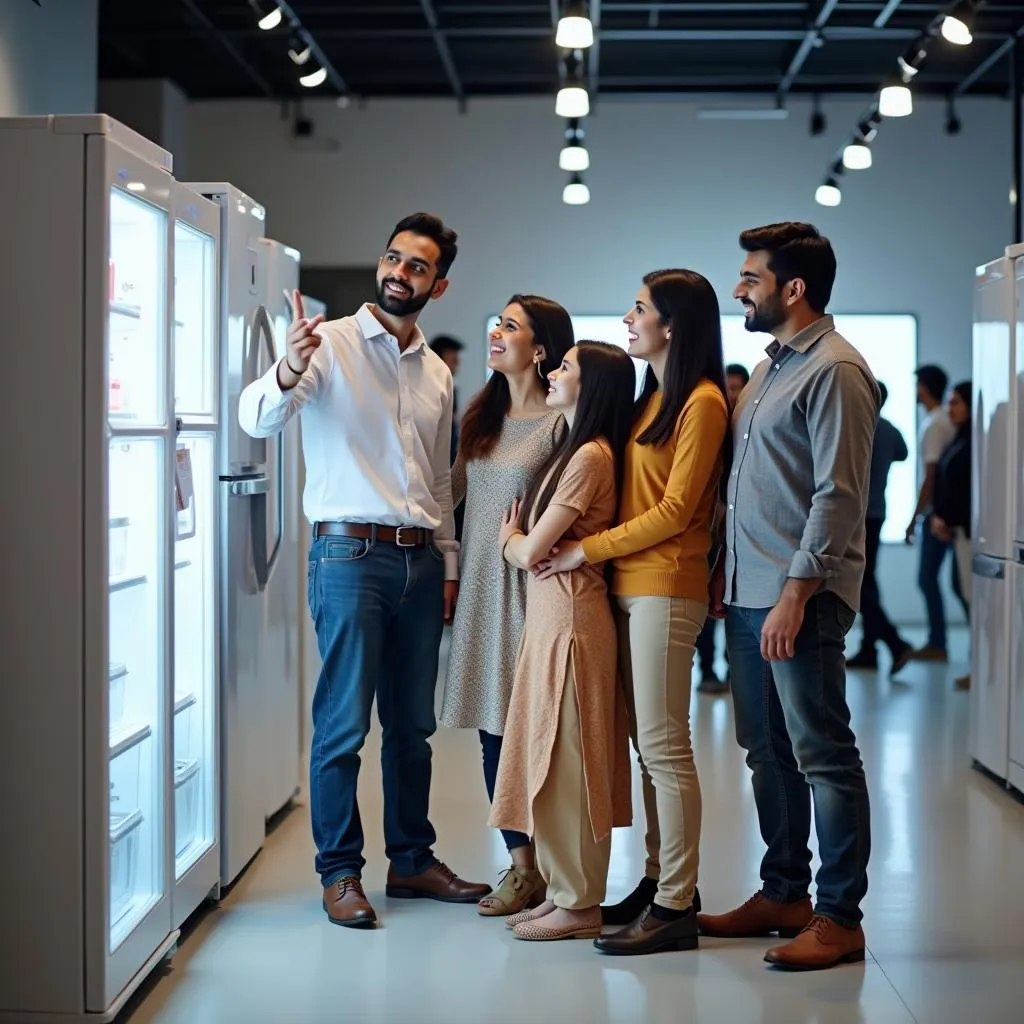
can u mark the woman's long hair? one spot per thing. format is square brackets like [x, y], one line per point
[483, 419]
[686, 304]
[965, 390]
[605, 409]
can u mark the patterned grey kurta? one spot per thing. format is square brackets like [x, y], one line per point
[491, 611]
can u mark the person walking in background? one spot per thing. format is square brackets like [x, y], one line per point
[659, 554]
[951, 503]
[449, 350]
[564, 771]
[736, 379]
[509, 432]
[790, 577]
[376, 407]
[935, 435]
[889, 447]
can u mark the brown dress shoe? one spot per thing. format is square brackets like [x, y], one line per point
[436, 883]
[649, 934]
[822, 944]
[757, 917]
[346, 904]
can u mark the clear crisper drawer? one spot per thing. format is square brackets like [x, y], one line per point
[186, 805]
[126, 766]
[124, 862]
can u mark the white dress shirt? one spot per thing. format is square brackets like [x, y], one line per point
[376, 429]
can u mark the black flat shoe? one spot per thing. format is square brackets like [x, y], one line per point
[649, 934]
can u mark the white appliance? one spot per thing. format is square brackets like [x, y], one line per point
[282, 634]
[1015, 774]
[93, 888]
[995, 471]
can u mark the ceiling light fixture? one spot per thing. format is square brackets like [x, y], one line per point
[857, 156]
[574, 155]
[819, 123]
[576, 192]
[314, 78]
[299, 52]
[829, 194]
[896, 101]
[269, 20]
[572, 101]
[956, 31]
[953, 124]
[575, 30]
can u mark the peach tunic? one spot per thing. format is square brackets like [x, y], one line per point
[569, 616]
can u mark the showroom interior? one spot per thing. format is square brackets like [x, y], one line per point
[182, 165]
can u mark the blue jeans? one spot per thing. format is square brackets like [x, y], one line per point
[492, 755]
[793, 721]
[933, 554]
[379, 614]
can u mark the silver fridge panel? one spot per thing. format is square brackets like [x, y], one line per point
[1016, 593]
[988, 735]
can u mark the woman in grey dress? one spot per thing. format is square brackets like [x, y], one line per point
[508, 432]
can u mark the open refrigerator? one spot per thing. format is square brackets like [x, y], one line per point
[97, 872]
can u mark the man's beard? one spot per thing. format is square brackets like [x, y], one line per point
[395, 306]
[767, 316]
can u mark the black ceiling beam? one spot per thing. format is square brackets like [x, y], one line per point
[810, 41]
[217, 41]
[1001, 51]
[444, 52]
[594, 56]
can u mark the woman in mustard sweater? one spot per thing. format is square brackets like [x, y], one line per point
[659, 555]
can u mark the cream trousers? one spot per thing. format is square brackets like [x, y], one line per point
[657, 636]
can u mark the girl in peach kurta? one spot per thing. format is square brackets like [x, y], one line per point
[564, 772]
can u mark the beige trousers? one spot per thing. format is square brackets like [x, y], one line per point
[572, 863]
[657, 636]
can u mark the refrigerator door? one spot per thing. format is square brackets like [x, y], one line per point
[988, 732]
[281, 636]
[196, 789]
[1016, 587]
[127, 855]
[993, 388]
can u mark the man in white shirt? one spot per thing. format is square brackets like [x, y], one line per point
[376, 407]
[934, 437]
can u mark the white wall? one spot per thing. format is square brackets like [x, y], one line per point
[48, 57]
[668, 190]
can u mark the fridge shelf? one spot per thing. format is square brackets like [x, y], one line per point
[127, 737]
[183, 564]
[126, 309]
[127, 582]
[184, 702]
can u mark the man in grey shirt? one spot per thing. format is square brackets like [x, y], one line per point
[791, 574]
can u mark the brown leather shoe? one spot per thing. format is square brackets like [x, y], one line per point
[822, 944]
[649, 934]
[346, 904]
[436, 883]
[757, 917]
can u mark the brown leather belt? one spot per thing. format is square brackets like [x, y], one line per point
[403, 536]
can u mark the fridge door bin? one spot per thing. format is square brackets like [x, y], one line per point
[186, 805]
[185, 719]
[125, 766]
[124, 859]
[118, 678]
[118, 548]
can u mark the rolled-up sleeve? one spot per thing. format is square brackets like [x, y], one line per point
[842, 411]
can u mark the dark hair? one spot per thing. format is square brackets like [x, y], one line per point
[604, 410]
[884, 391]
[688, 306]
[964, 389]
[795, 251]
[483, 420]
[934, 379]
[738, 370]
[446, 343]
[429, 226]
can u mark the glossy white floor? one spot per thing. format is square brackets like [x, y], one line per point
[944, 915]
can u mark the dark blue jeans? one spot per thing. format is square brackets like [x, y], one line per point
[933, 554]
[379, 612]
[794, 723]
[492, 755]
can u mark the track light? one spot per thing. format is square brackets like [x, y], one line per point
[314, 78]
[896, 101]
[299, 52]
[819, 124]
[867, 130]
[576, 192]
[572, 101]
[268, 20]
[953, 125]
[956, 31]
[857, 156]
[574, 155]
[829, 193]
[575, 30]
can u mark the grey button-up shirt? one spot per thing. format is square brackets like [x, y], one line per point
[803, 430]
